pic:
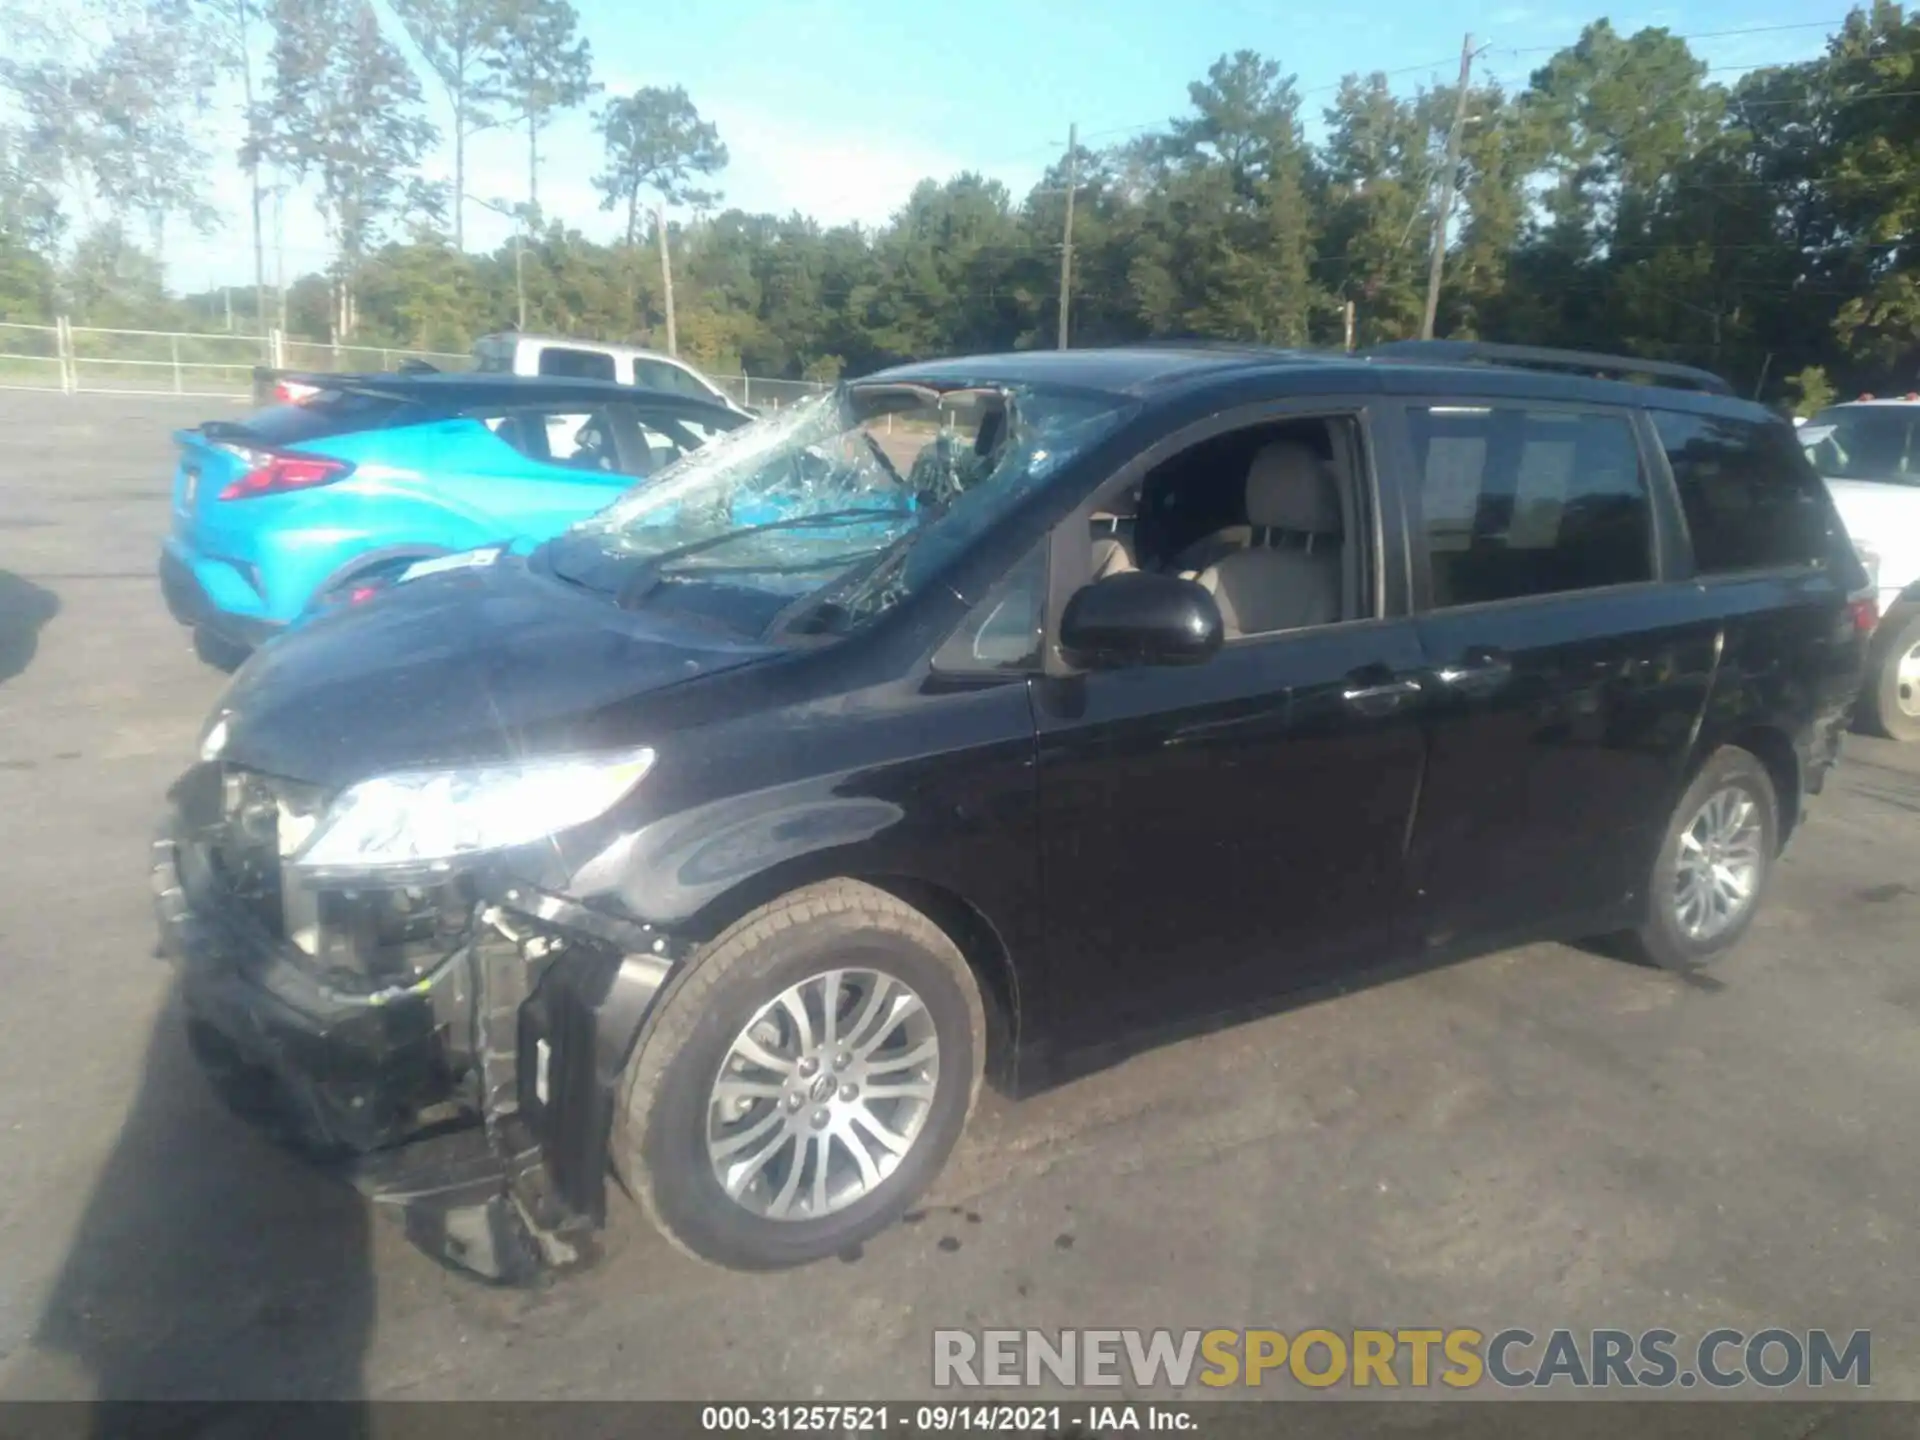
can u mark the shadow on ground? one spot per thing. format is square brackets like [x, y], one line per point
[208, 1264]
[25, 609]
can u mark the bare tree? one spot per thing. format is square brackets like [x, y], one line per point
[344, 111]
[121, 118]
[460, 41]
[541, 67]
[231, 31]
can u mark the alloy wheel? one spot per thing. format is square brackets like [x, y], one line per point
[1717, 870]
[822, 1094]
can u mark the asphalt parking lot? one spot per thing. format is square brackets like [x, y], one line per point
[1539, 1137]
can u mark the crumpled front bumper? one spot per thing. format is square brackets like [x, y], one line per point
[475, 1099]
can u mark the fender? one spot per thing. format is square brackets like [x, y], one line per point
[692, 874]
[416, 530]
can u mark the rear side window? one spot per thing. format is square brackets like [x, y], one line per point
[331, 412]
[1517, 502]
[608, 440]
[575, 440]
[493, 357]
[1752, 501]
[576, 364]
[1865, 442]
[657, 375]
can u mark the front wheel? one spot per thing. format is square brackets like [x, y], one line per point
[803, 1080]
[1714, 864]
[1890, 700]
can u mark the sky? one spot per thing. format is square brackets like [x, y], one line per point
[836, 108]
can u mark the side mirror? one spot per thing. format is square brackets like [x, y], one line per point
[1140, 618]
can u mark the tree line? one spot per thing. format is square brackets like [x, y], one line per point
[1624, 198]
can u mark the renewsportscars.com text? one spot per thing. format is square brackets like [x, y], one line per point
[1458, 1358]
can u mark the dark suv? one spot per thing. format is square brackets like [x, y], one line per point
[1073, 698]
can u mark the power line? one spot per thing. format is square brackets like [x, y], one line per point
[1827, 100]
[1696, 35]
[1504, 81]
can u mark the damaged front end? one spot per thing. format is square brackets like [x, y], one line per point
[450, 1042]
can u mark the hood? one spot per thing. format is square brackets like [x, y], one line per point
[473, 664]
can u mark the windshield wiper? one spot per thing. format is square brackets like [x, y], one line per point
[652, 570]
[842, 598]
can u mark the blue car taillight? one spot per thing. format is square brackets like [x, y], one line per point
[275, 472]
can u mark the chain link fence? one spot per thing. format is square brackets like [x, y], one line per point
[317, 355]
[754, 393]
[84, 359]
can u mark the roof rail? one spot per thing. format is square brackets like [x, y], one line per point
[1534, 357]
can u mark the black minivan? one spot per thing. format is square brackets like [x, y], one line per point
[1070, 699]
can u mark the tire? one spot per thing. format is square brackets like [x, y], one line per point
[669, 1113]
[1890, 700]
[1663, 938]
[222, 654]
[373, 573]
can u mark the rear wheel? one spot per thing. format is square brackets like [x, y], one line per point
[1714, 864]
[220, 653]
[803, 1080]
[365, 582]
[1890, 700]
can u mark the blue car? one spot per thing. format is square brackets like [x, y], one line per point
[304, 504]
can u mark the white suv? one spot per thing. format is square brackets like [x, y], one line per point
[1868, 452]
[510, 353]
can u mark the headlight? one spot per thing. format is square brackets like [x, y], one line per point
[431, 817]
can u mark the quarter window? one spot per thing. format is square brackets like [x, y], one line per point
[1002, 632]
[1518, 502]
[658, 375]
[576, 364]
[1752, 501]
[576, 440]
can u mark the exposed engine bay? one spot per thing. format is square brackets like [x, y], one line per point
[439, 1044]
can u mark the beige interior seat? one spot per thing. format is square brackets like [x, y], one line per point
[1112, 550]
[1290, 576]
[1111, 556]
[1210, 550]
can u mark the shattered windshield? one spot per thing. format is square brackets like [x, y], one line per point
[860, 495]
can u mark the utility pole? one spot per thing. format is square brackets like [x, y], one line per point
[1451, 168]
[666, 277]
[1066, 239]
[520, 279]
[279, 252]
[519, 253]
[1347, 317]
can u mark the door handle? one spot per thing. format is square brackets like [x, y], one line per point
[1370, 696]
[1478, 672]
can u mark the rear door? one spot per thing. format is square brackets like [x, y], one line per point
[1564, 680]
